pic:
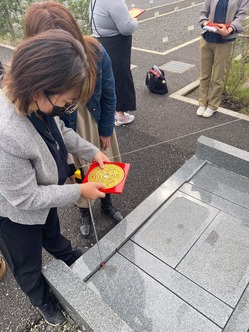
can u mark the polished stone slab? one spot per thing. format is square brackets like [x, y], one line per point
[197, 297]
[142, 302]
[84, 306]
[216, 201]
[239, 320]
[125, 229]
[174, 229]
[219, 261]
[90, 262]
[223, 155]
[178, 262]
[223, 183]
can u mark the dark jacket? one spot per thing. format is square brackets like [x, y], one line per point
[102, 104]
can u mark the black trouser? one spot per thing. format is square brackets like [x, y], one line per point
[119, 49]
[21, 245]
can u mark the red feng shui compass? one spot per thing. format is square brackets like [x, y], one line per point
[112, 176]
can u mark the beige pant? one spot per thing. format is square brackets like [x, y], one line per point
[88, 129]
[215, 60]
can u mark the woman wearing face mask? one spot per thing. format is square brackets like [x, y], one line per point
[48, 75]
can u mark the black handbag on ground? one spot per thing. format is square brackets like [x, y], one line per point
[155, 81]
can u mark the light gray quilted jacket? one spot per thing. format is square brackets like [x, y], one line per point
[28, 172]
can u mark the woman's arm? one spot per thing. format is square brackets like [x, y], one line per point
[28, 184]
[240, 16]
[107, 98]
[121, 17]
[205, 12]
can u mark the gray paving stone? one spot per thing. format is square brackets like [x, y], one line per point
[197, 297]
[219, 260]
[91, 261]
[176, 66]
[87, 309]
[125, 229]
[223, 155]
[143, 303]
[239, 320]
[174, 229]
[223, 183]
[216, 201]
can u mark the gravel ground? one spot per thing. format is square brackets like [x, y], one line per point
[42, 326]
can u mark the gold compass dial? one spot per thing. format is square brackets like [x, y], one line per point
[110, 176]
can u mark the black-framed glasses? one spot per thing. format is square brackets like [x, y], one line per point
[68, 108]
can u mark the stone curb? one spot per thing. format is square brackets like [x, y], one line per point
[81, 303]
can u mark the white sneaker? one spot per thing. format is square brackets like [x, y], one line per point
[208, 113]
[201, 110]
[123, 119]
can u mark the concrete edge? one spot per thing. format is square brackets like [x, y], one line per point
[223, 155]
[81, 303]
[89, 263]
[181, 95]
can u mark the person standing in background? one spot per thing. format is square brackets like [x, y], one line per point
[95, 120]
[216, 49]
[113, 26]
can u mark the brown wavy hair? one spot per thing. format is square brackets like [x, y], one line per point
[41, 16]
[53, 62]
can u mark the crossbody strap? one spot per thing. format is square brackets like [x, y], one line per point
[92, 21]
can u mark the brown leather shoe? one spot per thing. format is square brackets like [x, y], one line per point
[2, 268]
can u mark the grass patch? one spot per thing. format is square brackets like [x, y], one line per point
[237, 85]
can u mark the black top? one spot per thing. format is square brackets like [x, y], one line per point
[52, 137]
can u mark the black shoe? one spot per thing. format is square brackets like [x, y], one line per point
[52, 314]
[85, 219]
[77, 253]
[110, 210]
[72, 256]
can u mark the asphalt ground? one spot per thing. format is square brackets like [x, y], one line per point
[160, 140]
